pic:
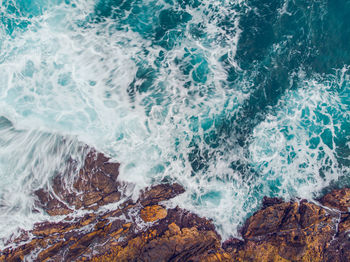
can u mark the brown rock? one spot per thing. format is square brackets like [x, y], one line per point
[111, 198]
[81, 237]
[344, 224]
[160, 193]
[176, 244]
[96, 181]
[339, 199]
[339, 248]
[266, 221]
[287, 232]
[180, 245]
[153, 213]
[91, 198]
[50, 251]
[51, 205]
[280, 231]
[48, 229]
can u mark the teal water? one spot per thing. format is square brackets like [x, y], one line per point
[234, 100]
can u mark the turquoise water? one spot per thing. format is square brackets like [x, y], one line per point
[234, 100]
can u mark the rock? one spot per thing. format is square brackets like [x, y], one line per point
[113, 197]
[160, 193]
[153, 213]
[91, 198]
[46, 253]
[268, 201]
[82, 236]
[339, 199]
[95, 181]
[289, 231]
[50, 204]
[280, 231]
[76, 238]
[339, 247]
[176, 244]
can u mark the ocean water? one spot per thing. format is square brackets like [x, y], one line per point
[235, 100]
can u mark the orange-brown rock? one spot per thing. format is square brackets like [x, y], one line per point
[339, 199]
[173, 235]
[289, 231]
[153, 213]
[296, 231]
[280, 231]
[175, 244]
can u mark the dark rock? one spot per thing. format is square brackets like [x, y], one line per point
[232, 244]
[94, 185]
[160, 193]
[271, 201]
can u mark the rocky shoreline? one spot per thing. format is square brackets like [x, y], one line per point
[145, 230]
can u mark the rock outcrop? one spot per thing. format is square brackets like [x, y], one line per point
[133, 231]
[145, 230]
[94, 185]
[296, 231]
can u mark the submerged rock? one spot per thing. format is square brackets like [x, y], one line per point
[145, 230]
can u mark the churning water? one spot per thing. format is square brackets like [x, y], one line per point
[234, 100]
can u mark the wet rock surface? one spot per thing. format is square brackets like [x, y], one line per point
[145, 230]
[94, 185]
[339, 199]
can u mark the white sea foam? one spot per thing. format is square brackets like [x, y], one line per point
[66, 76]
[27, 161]
[295, 146]
[63, 75]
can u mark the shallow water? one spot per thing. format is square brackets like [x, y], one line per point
[234, 100]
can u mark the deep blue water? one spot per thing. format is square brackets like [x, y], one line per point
[235, 100]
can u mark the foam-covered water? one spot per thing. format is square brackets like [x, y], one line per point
[235, 100]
